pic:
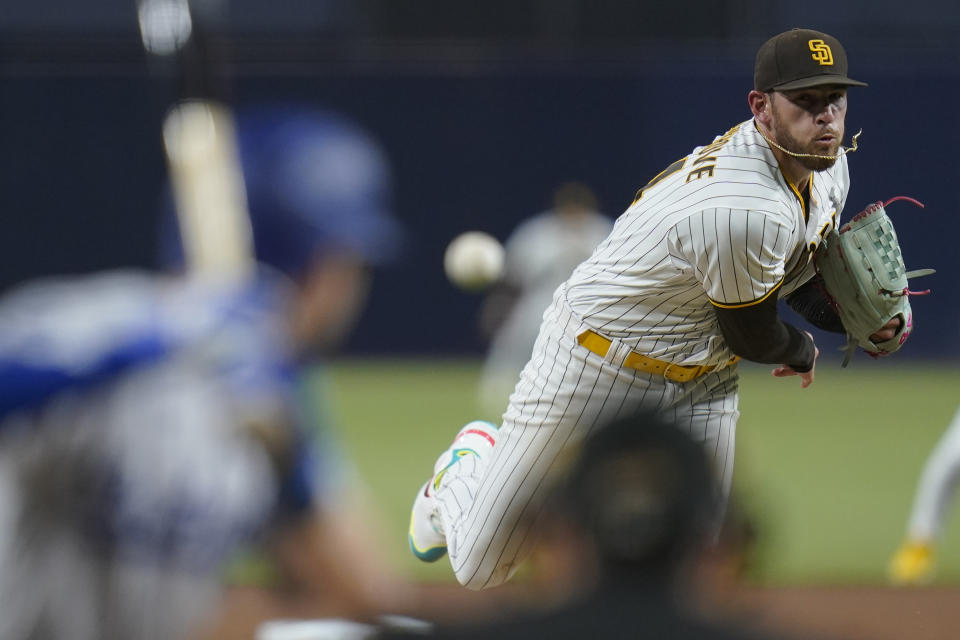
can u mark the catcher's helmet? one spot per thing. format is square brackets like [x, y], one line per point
[643, 492]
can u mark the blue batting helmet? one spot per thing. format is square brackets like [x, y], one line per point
[316, 183]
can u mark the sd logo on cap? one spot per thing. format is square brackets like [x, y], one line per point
[801, 58]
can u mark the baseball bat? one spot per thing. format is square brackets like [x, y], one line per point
[199, 140]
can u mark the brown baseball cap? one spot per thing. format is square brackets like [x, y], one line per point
[801, 58]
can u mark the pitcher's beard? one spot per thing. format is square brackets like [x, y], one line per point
[787, 141]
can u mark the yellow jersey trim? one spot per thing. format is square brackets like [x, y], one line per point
[796, 192]
[741, 305]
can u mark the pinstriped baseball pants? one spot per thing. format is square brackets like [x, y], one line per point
[565, 391]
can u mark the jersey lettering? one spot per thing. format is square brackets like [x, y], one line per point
[716, 145]
[696, 174]
[703, 156]
[673, 168]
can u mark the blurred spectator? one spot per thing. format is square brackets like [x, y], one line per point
[621, 540]
[541, 253]
[152, 426]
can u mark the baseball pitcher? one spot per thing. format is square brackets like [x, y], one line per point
[685, 285]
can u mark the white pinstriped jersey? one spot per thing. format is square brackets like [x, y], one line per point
[722, 226]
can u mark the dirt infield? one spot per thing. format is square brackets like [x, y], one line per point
[804, 613]
[857, 613]
[842, 613]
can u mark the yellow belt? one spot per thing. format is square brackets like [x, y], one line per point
[678, 373]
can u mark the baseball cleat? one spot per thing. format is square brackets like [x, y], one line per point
[912, 564]
[426, 536]
[478, 435]
[477, 438]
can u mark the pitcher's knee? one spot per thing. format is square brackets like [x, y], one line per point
[475, 575]
[479, 566]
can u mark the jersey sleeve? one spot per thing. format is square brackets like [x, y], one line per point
[738, 255]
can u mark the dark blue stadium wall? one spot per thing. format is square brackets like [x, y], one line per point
[80, 166]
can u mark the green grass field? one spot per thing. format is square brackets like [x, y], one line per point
[828, 472]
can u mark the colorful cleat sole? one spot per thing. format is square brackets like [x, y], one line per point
[428, 554]
[426, 542]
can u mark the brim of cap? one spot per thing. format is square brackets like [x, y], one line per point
[818, 81]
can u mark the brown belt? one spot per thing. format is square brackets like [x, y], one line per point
[675, 372]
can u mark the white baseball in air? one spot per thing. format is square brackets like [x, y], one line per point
[473, 260]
